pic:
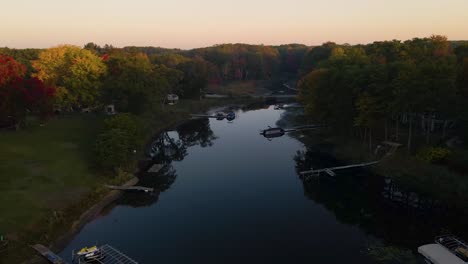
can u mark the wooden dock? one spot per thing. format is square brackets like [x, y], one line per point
[202, 116]
[303, 128]
[130, 188]
[155, 168]
[49, 255]
[290, 88]
[331, 171]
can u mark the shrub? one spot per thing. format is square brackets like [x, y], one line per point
[113, 149]
[392, 255]
[116, 144]
[433, 154]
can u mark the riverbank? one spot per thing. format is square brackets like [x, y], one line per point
[48, 226]
[443, 181]
[442, 185]
[438, 181]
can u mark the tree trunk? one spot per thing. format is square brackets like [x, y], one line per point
[428, 129]
[386, 130]
[410, 131]
[365, 135]
[370, 140]
[397, 128]
[444, 130]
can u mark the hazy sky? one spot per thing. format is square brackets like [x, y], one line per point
[197, 23]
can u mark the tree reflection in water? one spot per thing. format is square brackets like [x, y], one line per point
[196, 132]
[394, 213]
[169, 146]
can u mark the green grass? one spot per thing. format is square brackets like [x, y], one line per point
[240, 88]
[45, 168]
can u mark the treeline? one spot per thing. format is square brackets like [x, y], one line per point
[392, 90]
[71, 78]
[227, 62]
[134, 79]
[251, 62]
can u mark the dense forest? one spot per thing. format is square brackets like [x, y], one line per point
[379, 89]
[135, 79]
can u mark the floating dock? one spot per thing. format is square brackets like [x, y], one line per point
[330, 171]
[49, 255]
[130, 188]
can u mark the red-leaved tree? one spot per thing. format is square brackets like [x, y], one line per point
[34, 96]
[10, 70]
[18, 95]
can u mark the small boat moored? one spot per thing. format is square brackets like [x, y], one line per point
[90, 254]
[273, 132]
[231, 116]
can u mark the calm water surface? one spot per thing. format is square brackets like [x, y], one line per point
[228, 195]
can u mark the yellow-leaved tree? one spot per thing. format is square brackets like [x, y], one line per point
[76, 73]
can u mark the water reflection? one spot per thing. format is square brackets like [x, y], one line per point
[381, 207]
[196, 132]
[169, 146]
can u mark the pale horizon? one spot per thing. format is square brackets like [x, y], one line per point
[193, 24]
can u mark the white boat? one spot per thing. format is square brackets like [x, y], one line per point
[445, 250]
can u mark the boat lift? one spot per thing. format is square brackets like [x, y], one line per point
[108, 255]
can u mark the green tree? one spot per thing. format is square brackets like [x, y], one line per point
[115, 147]
[129, 84]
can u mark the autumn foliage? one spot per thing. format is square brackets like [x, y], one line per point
[10, 69]
[19, 95]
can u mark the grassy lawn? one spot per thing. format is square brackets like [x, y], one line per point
[45, 168]
[239, 88]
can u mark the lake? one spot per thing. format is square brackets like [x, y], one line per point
[229, 195]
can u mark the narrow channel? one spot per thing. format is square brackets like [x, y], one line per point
[229, 195]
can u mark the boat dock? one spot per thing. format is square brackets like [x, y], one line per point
[202, 116]
[331, 171]
[303, 128]
[49, 255]
[109, 255]
[130, 188]
[155, 168]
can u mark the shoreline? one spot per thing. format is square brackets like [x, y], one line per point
[90, 214]
[60, 243]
